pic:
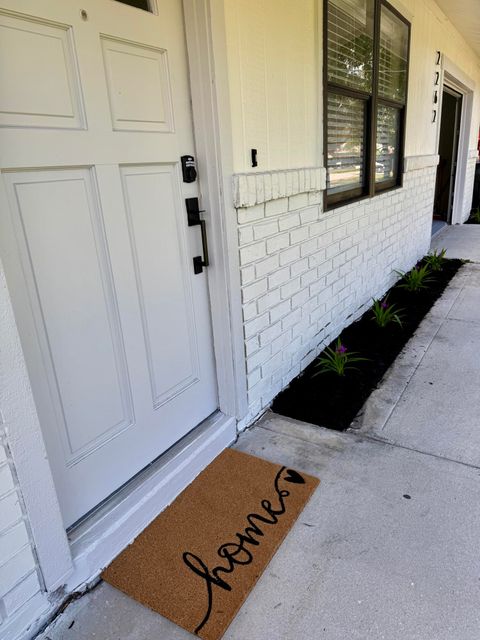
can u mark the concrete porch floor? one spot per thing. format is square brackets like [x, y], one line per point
[387, 548]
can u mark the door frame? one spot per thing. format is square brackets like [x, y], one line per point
[446, 88]
[454, 78]
[60, 563]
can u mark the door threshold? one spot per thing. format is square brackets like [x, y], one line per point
[437, 226]
[98, 538]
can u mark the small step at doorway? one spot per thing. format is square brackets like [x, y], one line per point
[437, 226]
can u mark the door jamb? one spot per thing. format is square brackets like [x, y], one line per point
[456, 79]
[447, 88]
[207, 53]
[205, 30]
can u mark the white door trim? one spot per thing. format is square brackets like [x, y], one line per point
[205, 28]
[455, 78]
[207, 53]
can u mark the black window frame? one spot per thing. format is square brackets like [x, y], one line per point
[372, 101]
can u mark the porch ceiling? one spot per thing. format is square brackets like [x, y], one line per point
[465, 15]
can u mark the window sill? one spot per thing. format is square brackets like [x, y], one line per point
[350, 201]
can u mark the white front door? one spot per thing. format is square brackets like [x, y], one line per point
[94, 116]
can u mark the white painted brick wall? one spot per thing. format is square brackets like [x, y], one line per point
[468, 190]
[306, 273]
[22, 597]
[19, 577]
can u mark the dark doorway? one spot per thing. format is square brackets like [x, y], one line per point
[448, 152]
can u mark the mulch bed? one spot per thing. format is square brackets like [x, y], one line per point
[333, 401]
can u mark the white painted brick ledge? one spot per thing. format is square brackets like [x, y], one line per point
[414, 163]
[250, 189]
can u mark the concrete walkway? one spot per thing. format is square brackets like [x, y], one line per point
[461, 241]
[388, 546]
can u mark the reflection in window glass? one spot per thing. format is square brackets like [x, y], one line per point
[346, 132]
[392, 80]
[388, 126]
[350, 43]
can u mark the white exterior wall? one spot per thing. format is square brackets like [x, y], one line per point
[307, 273]
[272, 60]
[431, 32]
[274, 53]
[22, 598]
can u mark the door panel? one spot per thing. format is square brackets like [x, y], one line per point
[69, 277]
[162, 281]
[40, 85]
[138, 86]
[115, 326]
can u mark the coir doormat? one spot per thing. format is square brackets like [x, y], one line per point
[198, 560]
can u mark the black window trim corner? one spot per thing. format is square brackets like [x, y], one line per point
[372, 101]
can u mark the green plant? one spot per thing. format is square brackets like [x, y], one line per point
[337, 360]
[475, 215]
[416, 279]
[384, 313]
[435, 259]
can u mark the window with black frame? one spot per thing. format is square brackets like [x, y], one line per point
[366, 73]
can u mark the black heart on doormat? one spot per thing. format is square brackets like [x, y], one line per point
[294, 477]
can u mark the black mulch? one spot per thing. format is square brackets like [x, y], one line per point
[333, 401]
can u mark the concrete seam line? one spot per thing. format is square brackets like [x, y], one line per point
[419, 451]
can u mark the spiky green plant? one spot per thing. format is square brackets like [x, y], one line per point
[416, 279]
[337, 360]
[385, 313]
[436, 259]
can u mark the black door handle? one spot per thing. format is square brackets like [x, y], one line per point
[193, 215]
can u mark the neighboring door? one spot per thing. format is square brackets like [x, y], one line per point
[94, 116]
[448, 152]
